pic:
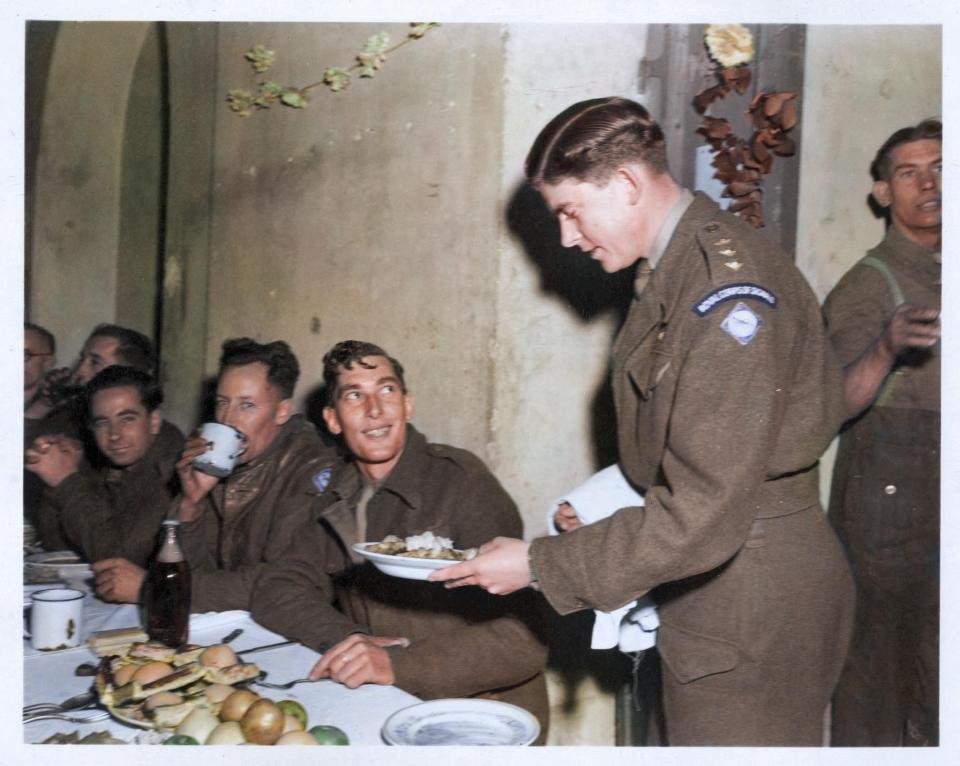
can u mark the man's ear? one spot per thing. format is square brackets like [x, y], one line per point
[284, 411]
[633, 181]
[408, 406]
[332, 421]
[881, 193]
[156, 420]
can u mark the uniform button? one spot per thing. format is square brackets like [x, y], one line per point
[890, 489]
[711, 227]
[660, 335]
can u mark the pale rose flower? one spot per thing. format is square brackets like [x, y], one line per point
[729, 44]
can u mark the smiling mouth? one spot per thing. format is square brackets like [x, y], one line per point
[377, 433]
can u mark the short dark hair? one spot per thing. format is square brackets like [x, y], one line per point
[347, 353]
[43, 333]
[928, 129]
[135, 348]
[115, 376]
[591, 139]
[283, 370]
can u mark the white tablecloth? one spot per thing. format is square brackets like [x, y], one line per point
[49, 676]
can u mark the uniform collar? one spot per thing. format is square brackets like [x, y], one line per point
[667, 281]
[905, 247]
[404, 480]
[668, 227]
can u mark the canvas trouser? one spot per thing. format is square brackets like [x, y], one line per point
[887, 513]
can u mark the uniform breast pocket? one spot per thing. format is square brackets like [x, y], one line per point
[649, 365]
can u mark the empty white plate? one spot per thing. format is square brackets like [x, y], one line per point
[461, 722]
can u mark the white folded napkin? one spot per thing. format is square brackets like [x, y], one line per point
[208, 620]
[633, 626]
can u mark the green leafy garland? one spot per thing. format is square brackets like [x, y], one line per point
[368, 62]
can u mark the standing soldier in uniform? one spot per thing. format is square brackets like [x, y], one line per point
[726, 394]
[883, 319]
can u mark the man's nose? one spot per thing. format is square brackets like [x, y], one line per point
[373, 406]
[228, 416]
[114, 433]
[928, 179]
[82, 374]
[569, 233]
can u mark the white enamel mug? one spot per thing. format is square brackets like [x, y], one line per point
[226, 445]
[56, 618]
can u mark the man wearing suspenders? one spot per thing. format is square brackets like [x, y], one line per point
[883, 321]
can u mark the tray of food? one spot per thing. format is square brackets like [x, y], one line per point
[155, 687]
[414, 557]
[195, 696]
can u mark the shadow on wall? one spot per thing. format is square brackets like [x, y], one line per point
[573, 661]
[582, 286]
[313, 406]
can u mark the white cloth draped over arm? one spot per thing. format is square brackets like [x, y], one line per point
[632, 627]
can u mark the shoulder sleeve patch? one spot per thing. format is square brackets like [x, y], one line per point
[729, 292]
[322, 479]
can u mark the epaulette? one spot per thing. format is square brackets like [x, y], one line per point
[726, 260]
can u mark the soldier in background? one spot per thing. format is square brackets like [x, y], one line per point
[883, 319]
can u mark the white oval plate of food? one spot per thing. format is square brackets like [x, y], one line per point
[65, 563]
[461, 722]
[407, 567]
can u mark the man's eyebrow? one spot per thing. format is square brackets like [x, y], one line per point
[128, 412]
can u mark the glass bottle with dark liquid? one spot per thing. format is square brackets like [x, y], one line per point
[167, 591]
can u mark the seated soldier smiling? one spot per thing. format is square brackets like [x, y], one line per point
[429, 641]
[111, 514]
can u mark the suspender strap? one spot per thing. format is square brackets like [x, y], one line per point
[890, 384]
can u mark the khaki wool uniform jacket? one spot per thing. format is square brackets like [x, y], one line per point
[108, 513]
[250, 519]
[726, 395]
[464, 642]
[885, 506]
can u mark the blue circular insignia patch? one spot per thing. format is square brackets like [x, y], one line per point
[742, 324]
[322, 479]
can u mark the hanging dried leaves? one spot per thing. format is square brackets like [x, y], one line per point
[740, 164]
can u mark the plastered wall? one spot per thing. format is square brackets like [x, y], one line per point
[860, 85]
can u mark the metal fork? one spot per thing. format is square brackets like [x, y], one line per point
[288, 684]
[95, 715]
[52, 707]
[80, 701]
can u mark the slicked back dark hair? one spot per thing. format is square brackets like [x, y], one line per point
[115, 376]
[347, 353]
[928, 129]
[591, 139]
[44, 333]
[283, 370]
[135, 349]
